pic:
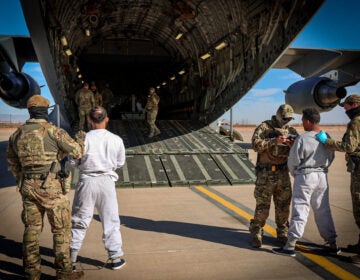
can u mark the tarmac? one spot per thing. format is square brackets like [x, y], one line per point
[196, 232]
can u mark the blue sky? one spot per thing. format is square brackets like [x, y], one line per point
[336, 25]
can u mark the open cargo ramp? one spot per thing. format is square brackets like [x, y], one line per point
[183, 154]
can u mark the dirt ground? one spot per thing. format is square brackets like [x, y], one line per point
[335, 131]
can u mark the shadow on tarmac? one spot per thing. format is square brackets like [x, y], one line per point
[13, 249]
[222, 235]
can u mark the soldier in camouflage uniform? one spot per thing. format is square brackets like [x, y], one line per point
[272, 140]
[350, 144]
[151, 108]
[85, 100]
[33, 155]
[97, 95]
[107, 96]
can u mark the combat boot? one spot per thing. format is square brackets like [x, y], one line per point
[353, 248]
[332, 248]
[355, 259]
[69, 275]
[157, 131]
[256, 241]
[33, 275]
[282, 240]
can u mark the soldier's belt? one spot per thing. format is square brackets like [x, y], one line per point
[271, 167]
[41, 176]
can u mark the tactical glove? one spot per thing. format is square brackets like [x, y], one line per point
[321, 137]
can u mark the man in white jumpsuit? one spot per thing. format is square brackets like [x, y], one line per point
[104, 152]
[308, 162]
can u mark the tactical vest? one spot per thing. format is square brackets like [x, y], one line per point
[152, 103]
[98, 99]
[276, 154]
[35, 149]
[355, 123]
[84, 98]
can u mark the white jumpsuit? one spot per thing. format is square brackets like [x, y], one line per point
[104, 153]
[308, 162]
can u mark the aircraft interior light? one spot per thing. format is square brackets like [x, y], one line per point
[164, 83]
[221, 46]
[179, 35]
[79, 76]
[87, 32]
[172, 78]
[205, 56]
[157, 87]
[68, 52]
[63, 41]
[77, 69]
[181, 72]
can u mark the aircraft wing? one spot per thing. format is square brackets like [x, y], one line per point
[341, 65]
[16, 87]
[16, 50]
[326, 73]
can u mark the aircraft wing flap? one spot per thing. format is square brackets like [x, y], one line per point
[307, 62]
[16, 50]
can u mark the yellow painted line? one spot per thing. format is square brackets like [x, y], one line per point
[232, 207]
[319, 260]
[328, 265]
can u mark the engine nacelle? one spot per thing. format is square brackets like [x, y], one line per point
[16, 88]
[318, 92]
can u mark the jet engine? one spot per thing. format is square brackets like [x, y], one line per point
[16, 88]
[319, 92]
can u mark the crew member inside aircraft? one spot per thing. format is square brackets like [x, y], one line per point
[272, 140]
[33, 155]
[84, 98]
[97, 94]
[107, 97]
[151, 109]
[104, 152]
[350, 144]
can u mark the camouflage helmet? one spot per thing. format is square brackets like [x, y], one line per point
[151, 90]
[353, 98]
[37, 101]
[285, 111]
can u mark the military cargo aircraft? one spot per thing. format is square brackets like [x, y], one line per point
[202, 56]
